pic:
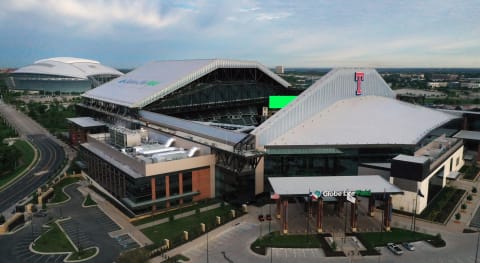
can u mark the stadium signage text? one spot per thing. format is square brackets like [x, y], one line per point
[139, 82]
[345, 193]
[359, 78]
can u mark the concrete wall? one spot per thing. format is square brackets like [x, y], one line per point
[135, 165]
[407, 200]
[180, 165]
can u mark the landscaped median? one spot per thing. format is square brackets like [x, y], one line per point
[55, 241]
[173, 230]
[27, 159]
[369, 240]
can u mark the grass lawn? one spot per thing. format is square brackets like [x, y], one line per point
[175, 259]
[27, 153]
[59, 195]
[397, 235]
[89, 201]
[53, 241]
[174, 212]
[441, 206]
[173, 229]
[289, 241]
[470, 172]
[85, 253]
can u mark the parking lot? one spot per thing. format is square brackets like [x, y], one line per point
[87, 227]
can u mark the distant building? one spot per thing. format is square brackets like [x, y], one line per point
[437, 84]
[64, 74]
[279, 69]
[470, 85]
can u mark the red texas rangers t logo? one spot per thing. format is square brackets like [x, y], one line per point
[359, 77]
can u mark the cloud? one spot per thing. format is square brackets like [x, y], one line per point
[272, 16]
[101, 15]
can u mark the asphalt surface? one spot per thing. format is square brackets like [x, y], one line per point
[87, 227]
[51, 157]
[233, 245]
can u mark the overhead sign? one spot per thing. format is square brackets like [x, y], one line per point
[139, 82]
[359, 78]
[351, 199]
[350, 195]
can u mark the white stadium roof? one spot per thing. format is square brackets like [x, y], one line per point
[68, 67]
[330, 113]
[154, 80]
[369, 120]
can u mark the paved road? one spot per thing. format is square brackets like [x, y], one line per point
[232, 245]
[51, 156]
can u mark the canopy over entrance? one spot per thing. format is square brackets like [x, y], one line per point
[373, 184]
[343, 189]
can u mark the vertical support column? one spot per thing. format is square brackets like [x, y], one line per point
[340, 204]
[167, 190]
[154, 192]
[320, 215]
[180, 186]
[465, 123]
[353, 216]
[478, 152]
[285, 216]
[278, 209]
[387, 214]
[371, 206]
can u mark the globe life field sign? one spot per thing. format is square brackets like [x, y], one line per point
[278, 102]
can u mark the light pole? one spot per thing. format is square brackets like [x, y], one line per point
[478, 239]
[207, 242]
[78, 237]
[33, 237]
[419, 193]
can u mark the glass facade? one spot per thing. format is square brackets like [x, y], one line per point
[345, 163]
[234, 188]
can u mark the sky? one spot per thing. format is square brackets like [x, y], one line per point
[317, 33]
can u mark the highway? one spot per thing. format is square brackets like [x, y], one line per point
[51, 157]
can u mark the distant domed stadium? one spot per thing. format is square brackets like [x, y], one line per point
[64, 74]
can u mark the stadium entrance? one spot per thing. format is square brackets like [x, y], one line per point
[332, 195]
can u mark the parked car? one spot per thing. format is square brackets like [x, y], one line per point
[269, 217]
[40, 214]
[408, 246]
[395, 249]
[261, 218]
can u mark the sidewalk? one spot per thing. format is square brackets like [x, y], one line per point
[250, 217]
[452, 226]
[118, 217]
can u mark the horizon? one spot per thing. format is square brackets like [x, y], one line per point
[313, 34]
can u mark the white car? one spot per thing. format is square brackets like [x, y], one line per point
[395, 249]
[408, 246]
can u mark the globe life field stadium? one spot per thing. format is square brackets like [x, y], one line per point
[174, 132]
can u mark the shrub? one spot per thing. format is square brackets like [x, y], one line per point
[334, 246]
[458, 216]
[464, 206]
[474, 190]
[469, 197]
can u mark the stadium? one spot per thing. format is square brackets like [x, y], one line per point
[180, 131]
[61, 74]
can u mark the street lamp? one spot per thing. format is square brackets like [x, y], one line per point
[419, 193]
[206, 229]
[478, 240]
